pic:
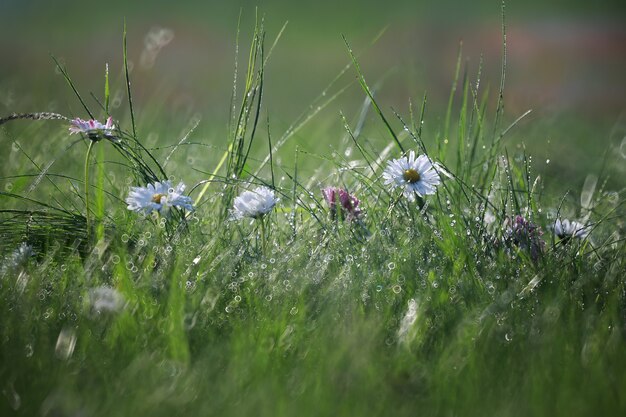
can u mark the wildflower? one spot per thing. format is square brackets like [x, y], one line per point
[525, 235]
[19, 257]
[349, 204]
[105, 300]
[93, 128]
[254, 204]
[159, 196]
[565, 230]
[23, 253]
[414, 175]
[489, 217]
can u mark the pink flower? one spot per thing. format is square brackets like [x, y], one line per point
[349, 204]
[93, 128]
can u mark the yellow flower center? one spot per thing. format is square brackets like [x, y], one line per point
[157, 198]
[411, 176]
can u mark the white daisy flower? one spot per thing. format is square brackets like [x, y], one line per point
[413, 175]
[159, 196]
[23, 253]
[19, 257]
[93, 128]
[566, 229]
[254, 204]
[105, 300]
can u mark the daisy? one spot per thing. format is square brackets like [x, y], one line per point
[93, 128]
[566, 229]
[18, 258]
[105, 300]
[159, 196]
[348, 204]
[414, 175]
[23, 253]
[254, 204]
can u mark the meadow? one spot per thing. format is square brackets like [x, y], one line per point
[369, 260]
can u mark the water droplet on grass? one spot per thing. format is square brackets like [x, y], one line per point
[589, 188]
[612, 197]
[66, 342]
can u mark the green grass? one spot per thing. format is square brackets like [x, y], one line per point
[423, 308]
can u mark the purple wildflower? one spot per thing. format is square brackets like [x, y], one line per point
[525, 235]
[348, 204]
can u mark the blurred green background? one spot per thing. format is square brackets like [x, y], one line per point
[566, 61]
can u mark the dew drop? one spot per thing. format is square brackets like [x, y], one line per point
[66, 342]
[612, 197]
[589, 188]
